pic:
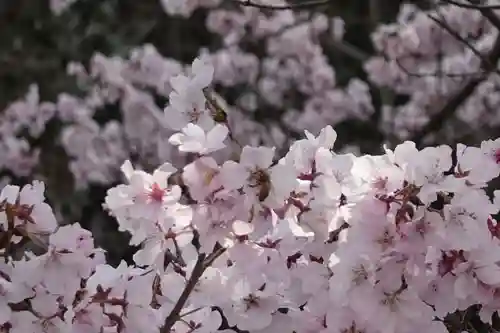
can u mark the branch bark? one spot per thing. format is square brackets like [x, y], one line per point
[302, 5]
[193, 279]
[201, 265]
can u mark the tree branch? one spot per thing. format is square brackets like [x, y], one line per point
[193, 279]
[436, 72]
[345, 47]
[308, 4]
[488, 13]
[201, 265]
[470, 5]
[461, 96]
[444, 25]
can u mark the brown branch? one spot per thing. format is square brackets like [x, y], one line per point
[470, 5]
[195, 276]
[201, 265]
[444, 25]
[213, 256]
[489, 14]
[462, 95]
[436, 73]
[468, 89]
[308, 4]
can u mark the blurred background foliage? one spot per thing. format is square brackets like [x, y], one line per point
[36, 46]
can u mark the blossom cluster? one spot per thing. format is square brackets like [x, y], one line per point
[427, 55]
[291, 77]
[242, 238]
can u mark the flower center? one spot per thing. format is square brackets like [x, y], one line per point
[195, 114]
[209, 176]
[359, 275]
[156, 193]
[258, 177]
[251, 301]
[496, 155]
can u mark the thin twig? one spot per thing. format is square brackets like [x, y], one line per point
[470, 5]
[174, 259]
[436, 72]
[213, 256]
[308, 4]
[490, 15]
[467, 90]
[187, 313]
[443, 24]
[195, 276]
[201, 265]
[178, 253]
[348, 49]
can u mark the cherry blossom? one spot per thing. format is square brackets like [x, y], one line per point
[237, 226]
